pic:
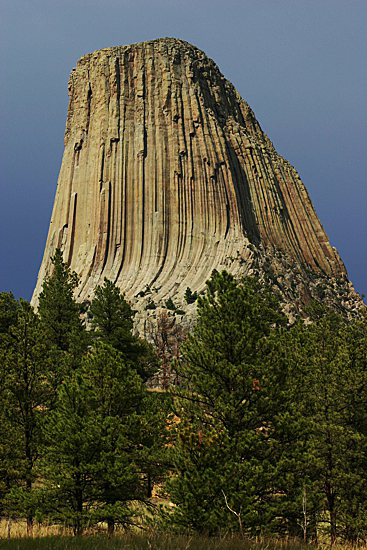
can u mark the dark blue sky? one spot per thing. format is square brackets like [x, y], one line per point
[300, 64]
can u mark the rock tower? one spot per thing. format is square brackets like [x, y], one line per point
[167, 175]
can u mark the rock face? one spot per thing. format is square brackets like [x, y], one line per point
[167, 175]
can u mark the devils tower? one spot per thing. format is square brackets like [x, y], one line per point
[167, 175]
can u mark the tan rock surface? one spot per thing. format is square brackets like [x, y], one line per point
[166, 175]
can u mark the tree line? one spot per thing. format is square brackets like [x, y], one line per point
[263, 433]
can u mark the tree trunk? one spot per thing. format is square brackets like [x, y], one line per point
[110, 527]
[78, 525]
[329, 491]
[9, 526]
[30, 514]
[330, 497]
[29, 525]
[333, 526]
[150, 486]
[313, 529]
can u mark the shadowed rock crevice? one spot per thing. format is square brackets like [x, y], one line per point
[243, 196]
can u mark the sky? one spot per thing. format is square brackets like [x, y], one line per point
[300, 64]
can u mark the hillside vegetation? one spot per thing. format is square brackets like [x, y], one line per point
[260, 430]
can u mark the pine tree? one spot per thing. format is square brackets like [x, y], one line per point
[202, 463]
[232, 388]
[190, 296]
[112, 317]
[112, 322]
[137, 459]
[61, 323]
[25, 394]
[10, 439]
[73, 438]
[8, 312]
[119, 394]
[155, 440]
[94, 447]
[353, 509]
[329, 401]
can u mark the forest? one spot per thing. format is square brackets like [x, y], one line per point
[257, 429]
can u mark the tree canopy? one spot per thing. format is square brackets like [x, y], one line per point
[229, 402]
[262, 433]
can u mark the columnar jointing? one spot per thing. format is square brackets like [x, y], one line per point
[167, 175]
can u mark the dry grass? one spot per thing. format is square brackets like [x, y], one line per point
[18, 529]
[56, 537]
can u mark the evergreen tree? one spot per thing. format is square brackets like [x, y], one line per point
[202, 462]
[112, 317]
[119, 394]
[190, 296]
[112, 322]
[8, 313]
[10, 439]
[94, 446]
[73, 437]
[24, 396]
[155, 440]
[353, 509]
[62, 326]
[233, 390]
[329, 401]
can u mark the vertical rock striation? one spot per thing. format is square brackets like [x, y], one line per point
[166, 175]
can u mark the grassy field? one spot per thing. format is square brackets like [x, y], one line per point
[141, 542]
[150, 542]
[54, 537]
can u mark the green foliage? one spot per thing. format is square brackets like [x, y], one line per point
[327, 403]
[226, 356]
[232, 396]
[98, 443]
[320, 291]
[111, 316]
[90, 437]
[200, 460]
[10, 437]
[264, 433]
[63, 329]
[88, 417]
[8, 312]
[73, 435]
[112, 321]
[190, 296]
[58, 310]
[25, 392]
[154, 457]
[170, 305]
